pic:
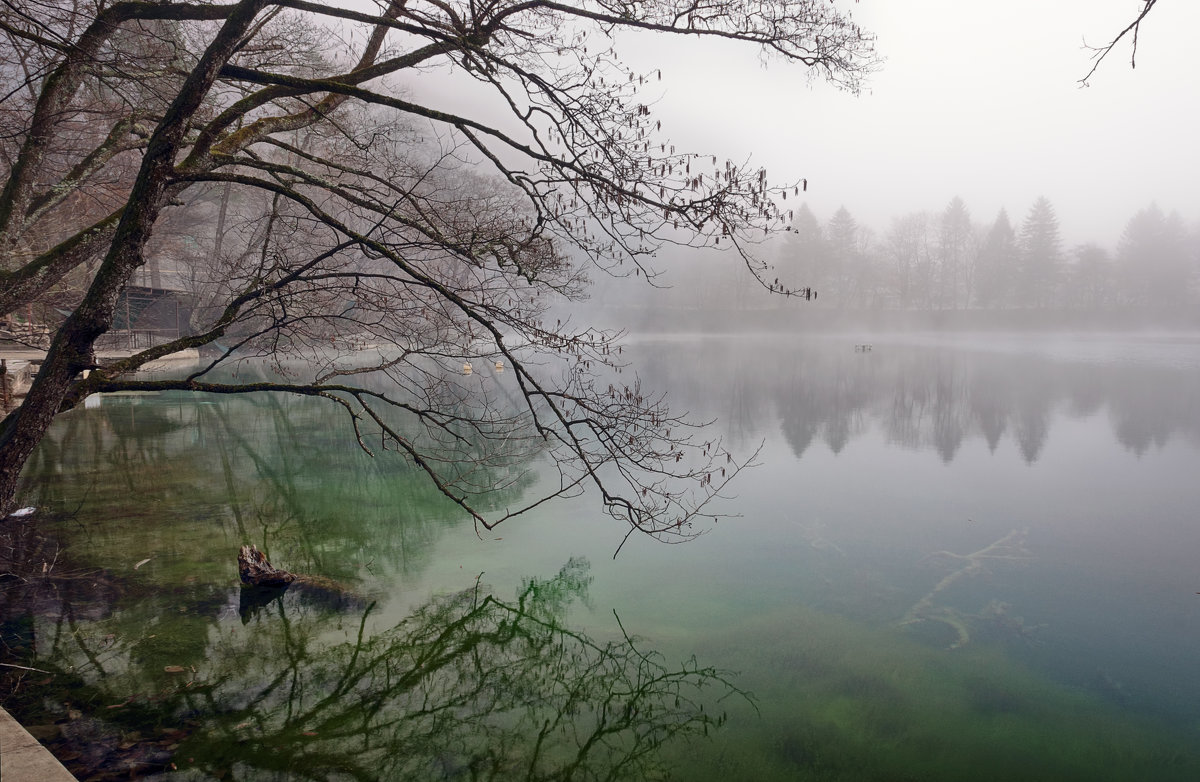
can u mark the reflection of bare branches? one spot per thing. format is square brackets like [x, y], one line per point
[1011, 547]
[468, 685]
[32, 579]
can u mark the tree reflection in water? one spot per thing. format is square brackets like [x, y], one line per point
[468, 686]
[935, 396]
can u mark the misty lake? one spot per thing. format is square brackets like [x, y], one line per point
[958, 558]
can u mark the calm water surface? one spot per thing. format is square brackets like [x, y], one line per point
[957, 558]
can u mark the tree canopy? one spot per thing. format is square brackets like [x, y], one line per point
[419, 176]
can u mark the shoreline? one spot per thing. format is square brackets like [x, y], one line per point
[20, 366]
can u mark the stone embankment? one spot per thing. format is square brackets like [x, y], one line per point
[23, 759]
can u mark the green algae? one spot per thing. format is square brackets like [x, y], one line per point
[838, 700]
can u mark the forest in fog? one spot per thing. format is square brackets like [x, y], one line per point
[948, 262]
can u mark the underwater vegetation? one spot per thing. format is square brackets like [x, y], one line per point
[838, 700]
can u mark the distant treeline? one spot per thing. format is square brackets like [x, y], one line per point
[943, 267]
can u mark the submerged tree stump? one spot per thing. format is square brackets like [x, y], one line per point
[255, 570]
[263, 583]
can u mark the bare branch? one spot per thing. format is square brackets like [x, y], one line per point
[1100, 52]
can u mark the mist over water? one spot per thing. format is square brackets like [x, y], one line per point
[952, 548]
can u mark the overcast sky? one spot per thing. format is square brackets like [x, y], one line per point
[975, 99]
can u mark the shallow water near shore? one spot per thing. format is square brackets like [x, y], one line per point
[956, 558]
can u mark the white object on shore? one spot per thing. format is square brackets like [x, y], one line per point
[22, 512]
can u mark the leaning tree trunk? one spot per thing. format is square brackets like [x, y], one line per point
[23, 429]
[72, 348]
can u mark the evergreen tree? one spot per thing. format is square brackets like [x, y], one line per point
[956, 261]
[846, 259]
[997, 265]
[1153, 260]
[1040, 256]
[805, 261]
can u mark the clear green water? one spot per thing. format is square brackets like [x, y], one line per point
[958, 559]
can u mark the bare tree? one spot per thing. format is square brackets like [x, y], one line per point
[369, 216]
[910, 248]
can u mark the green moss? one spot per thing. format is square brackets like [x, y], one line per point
[841, 701]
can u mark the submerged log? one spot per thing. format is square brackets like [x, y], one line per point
[255, 570]
[262, 583]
